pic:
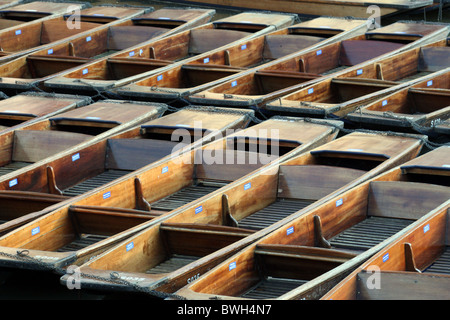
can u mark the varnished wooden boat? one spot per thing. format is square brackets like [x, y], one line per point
[61, 53]
[70, 174]
[41, 139]
[128, 65]
[285, 75]
[308, 255]
[416, 108]
[192, 76]
[337, 96]
[9, 3]
[21, 26]
[339, 8]
[26, 108]
[414, 267]
[189, 243]
[90, 224]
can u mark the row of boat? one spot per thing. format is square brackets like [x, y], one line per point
[109, 170]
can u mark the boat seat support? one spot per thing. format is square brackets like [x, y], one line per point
[227, 217]
[51, 182]
[141, 202]
[410, 264]
[319, 239]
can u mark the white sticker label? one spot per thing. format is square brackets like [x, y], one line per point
[107, 195]
[290, 230]
[35, 231]
[198, 209]
[234, 83]
[339, 202]
[386, 257]
[247, 186]
[426, 228]
[206, 60]
[165, 169]
[13, 182]
[75, 157]
[232, 266]
[129, 246]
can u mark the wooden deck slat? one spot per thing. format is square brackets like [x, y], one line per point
[97, 181]
[442, 264]
[270, 288]
[172, 264]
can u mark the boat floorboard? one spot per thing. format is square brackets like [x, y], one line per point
[83, 241]
[183, 197]
[172, 264]
[442, 264]
[270, 288]
[368, 233]
[12, 166]
[274, 212]
[415, 76]
[94, 182]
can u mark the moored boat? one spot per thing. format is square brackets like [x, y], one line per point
[308, 255]
[129, 65]
[283, 76]
[338, 96]
[203, 234]
[90, 224]
[95, 39]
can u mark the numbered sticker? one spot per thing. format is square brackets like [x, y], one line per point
[75, 157]
[13, 182]
[247, 186]
[129, 246]
[107, 195]
[198, 209]
[232, 266]
[290, 230]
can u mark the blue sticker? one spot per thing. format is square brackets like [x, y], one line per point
[232, 266]
[75, 157]
[339, 202]
[319, 52]
[359, 71]
[384, 103]
[13, 182]
[198, 209]
[131, 53]
[247, 186]
[311, 90]
[430, 83]
[89, 38]
[206, 60]
[165, 169]
[35, 231]
[243, 47]
[290, 230]
[234, 83]
[159, 78]
[386, 257]
[18, 32]
[426, 228]
[49, 51]
[85, 71]
[107, 195]
[129, 246]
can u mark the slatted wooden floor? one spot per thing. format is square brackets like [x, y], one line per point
[442, 264]
[270, 288]
[368, 233]
[172, 264]
[12, 166]
[83, 241]
[94, 182]
[273, 213]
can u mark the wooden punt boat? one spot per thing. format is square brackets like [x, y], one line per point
[414, 108]
[42, 139]
[20, 26]
[128, 65]
[91, 224]
[70, 174]
[26, 108]
[414, 267]
[9, 3]
[182, 247]
[285, 75]
[338, 8]
[60, 53]
[308, 255]
[191, 76]
[338, 96]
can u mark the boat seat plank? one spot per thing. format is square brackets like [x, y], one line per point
[132, 154]
[354, 52]
[442, 264]
[94, 182]
[274, 212]
[368, 233]
[183, 197]
[123, 37]
[313, 182]
[35, 145]
[408, 200]
[204, 40]
[277, 46]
